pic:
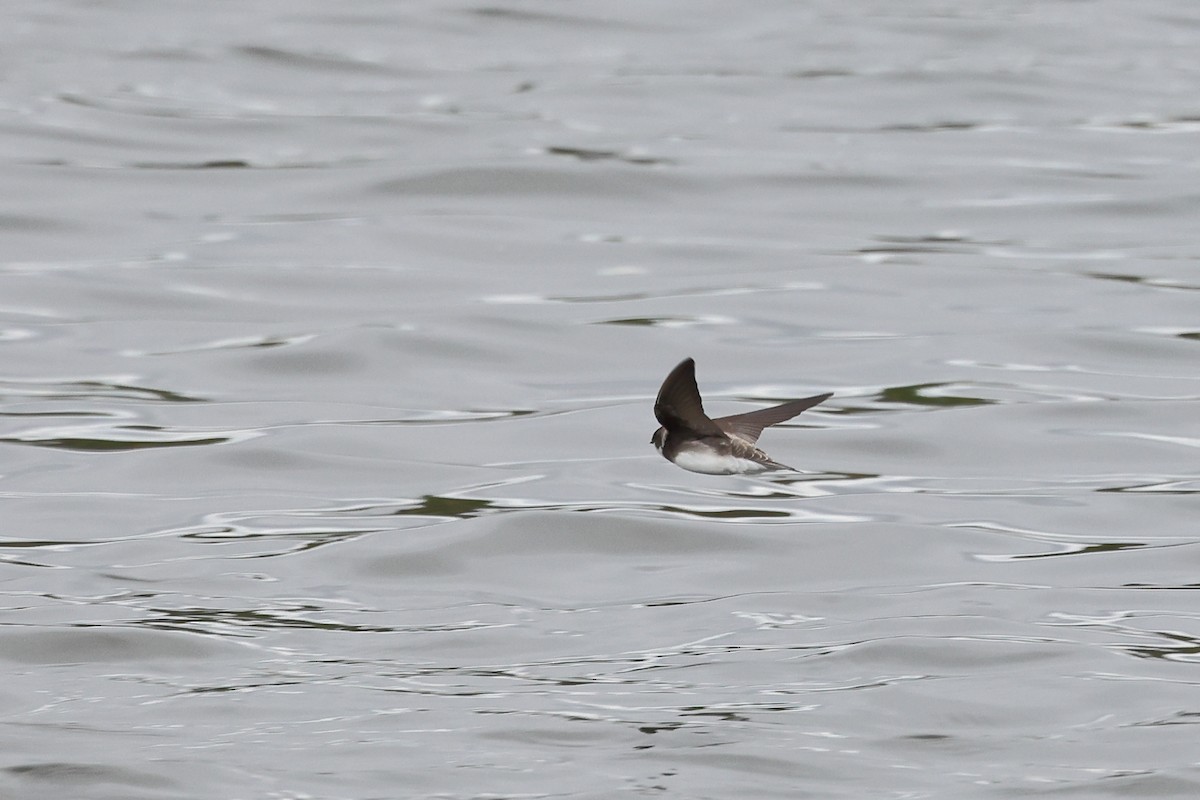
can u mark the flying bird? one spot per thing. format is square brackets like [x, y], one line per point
[688, 438]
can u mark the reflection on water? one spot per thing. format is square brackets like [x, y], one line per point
[249, 624]
[931, 394]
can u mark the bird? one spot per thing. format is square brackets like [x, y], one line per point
[689, 439]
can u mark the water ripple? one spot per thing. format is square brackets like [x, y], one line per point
[443, 416]
[113, 388]
[586, 154]
[118, 438]
[1065, 544]
[1158, 486]
[1164, 645]
[236, 343]
[723, 290]
[1144, 280]
[670, 322]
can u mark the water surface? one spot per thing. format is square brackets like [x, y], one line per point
[328, 344]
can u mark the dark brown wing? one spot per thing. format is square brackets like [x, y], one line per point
[749, 426]
[742, 449]
[678, 404]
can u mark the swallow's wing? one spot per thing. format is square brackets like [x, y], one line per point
[743, 449]
[749, 426]
[678, 405]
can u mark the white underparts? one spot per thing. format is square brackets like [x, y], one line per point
[710, 463]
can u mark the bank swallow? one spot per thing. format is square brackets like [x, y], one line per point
[722, 446]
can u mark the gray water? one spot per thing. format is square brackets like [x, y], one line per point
[329, 336]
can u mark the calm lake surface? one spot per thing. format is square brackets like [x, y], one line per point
[329, 336]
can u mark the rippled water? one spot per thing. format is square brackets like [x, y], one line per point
[328, 342]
